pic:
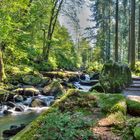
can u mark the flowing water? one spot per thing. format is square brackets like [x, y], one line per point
[84, 88]
[27, 115]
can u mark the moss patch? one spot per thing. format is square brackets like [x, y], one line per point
[133, 107]
[110, 103]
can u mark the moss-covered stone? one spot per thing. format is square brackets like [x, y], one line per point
[114, 119]
[110, 103]
[27, 91]
[97, 87]
[133, 107]
[54, 89]
[31, 79]
[115, 76]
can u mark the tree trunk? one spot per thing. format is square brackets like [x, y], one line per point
[52, 23]
[139, 36]
[109, 32]
[116, 32]
[132, 44]
[2, 73]
[129, 37]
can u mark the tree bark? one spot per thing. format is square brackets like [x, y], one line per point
[116, 32]
[109, 32]
[53, 19]
[132, 44]
[129, 35]
[2, 73]
[139, 36]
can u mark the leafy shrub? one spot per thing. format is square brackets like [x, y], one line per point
[137, 68]
[65, 127]
[95, 66]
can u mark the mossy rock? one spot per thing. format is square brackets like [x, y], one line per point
[37, 103]
[115, 76]
[97, 87]
[6, 95]
[113, 119]
[133, 107]
[27, 91]
[53, 89]
[32, 79]
[110, 103]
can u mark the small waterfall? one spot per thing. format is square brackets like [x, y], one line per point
[87, 77]
[24, 106]
[85, 88]
[2, 109]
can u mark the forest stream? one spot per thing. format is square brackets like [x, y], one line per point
[16, 115]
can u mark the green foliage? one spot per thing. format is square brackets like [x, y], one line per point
[128, 131]
[64, 127]
[137, 132]
[137, 68]
[95, 66]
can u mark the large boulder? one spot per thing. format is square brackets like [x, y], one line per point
[7, 112]
[133, 107]
[10, 104]
[19, 108]
[13, 131]
[27, 91]
[37, 103]
[18, 98]
[115, 76]
[53, 89]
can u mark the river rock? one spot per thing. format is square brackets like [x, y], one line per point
[6, 112]
[88, 83]
[82, 77]
[53, 89]
[27, 91]
[6, 95]
[18, 98]
[19, 108]
[32, 79]
[10, 104]
[13, 130]
[45, 81]
[37, 103]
